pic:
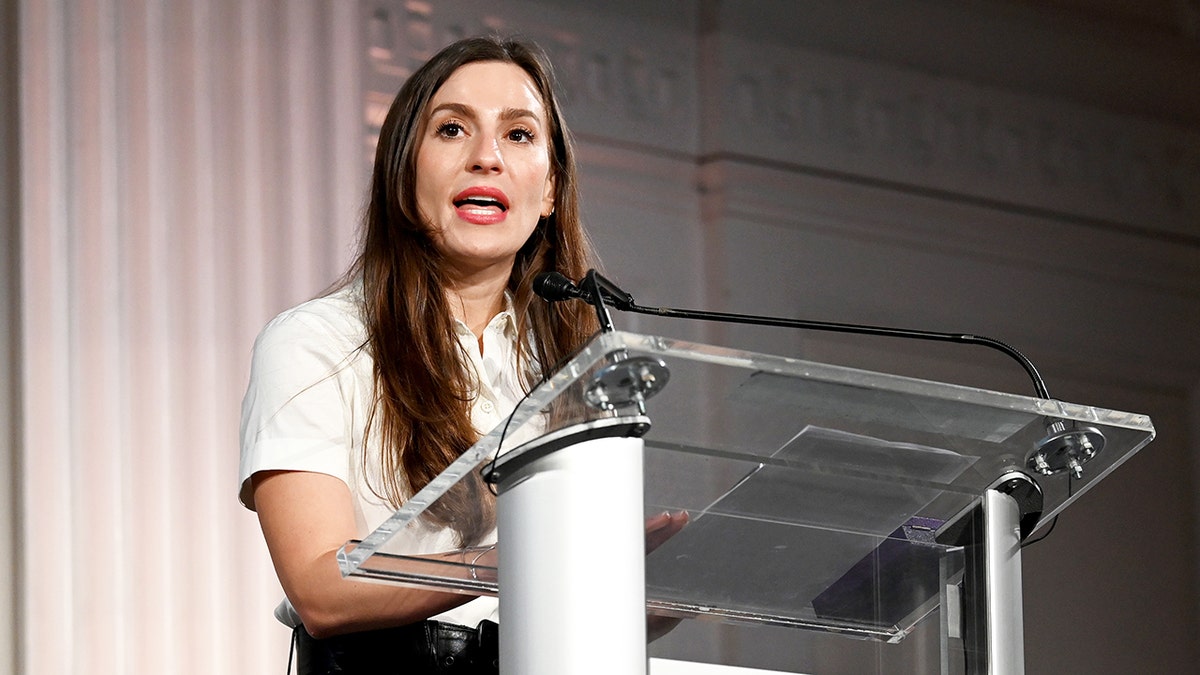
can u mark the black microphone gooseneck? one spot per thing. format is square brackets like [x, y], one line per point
[1066, 447]
[554, 287]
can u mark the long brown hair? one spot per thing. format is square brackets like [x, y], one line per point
[422, 408]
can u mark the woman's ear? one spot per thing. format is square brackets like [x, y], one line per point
[548, 196]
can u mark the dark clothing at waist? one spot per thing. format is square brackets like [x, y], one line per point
[422, 648]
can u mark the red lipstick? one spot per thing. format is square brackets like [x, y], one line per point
[481, 204]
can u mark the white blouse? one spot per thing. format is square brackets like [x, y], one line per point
[306, 408]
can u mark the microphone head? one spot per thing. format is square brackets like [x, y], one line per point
[553, 287]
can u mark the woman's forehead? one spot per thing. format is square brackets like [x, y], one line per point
[494, 85]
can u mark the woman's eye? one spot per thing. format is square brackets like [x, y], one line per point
[520, 135]
[450, 129]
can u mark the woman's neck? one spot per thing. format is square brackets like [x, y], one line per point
[477, 298]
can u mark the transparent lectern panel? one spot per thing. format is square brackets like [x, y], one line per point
[816, 493]
[782, 544]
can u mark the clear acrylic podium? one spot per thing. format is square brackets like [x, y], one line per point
[819, 497]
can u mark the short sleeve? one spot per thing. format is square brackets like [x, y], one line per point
[297, 412]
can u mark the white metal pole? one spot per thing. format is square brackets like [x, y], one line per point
[1002, 570]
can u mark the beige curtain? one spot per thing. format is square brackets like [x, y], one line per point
[188, 170]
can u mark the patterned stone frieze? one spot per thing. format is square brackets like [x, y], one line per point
[632, 83]
[619, 78]
[817, 111]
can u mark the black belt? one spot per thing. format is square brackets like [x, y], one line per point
[416, 649]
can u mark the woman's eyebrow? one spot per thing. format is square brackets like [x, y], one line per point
[464, 110]
[457, 108]
[510, 114]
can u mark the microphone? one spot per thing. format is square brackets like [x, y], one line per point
[594, 289]
[1065, 448]
[554, 287]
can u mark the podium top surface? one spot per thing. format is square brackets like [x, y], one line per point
[787, 455]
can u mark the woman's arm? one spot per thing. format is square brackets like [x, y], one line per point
[306, 518]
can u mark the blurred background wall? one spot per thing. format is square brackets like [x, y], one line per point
[175, 173]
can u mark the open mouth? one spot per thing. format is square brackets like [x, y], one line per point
[481, 201]
[482, 197]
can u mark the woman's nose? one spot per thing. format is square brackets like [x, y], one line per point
[486, 156]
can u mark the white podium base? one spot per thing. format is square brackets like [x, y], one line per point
[671, 667]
